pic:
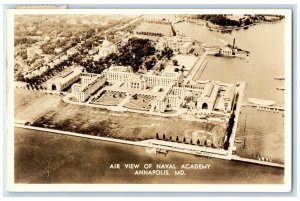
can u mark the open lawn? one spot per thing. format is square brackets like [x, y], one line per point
[130, 126]
[51, 112]
[140, 102]
[110, 98]
[31, 105]
[185, 60]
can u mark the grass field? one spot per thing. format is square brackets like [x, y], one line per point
[141, 102]
[186, 60]
[109, 98]
[50, 111]
[31, 105]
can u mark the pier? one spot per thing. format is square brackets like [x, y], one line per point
[266, 108]
[248, 160]
[197, 66]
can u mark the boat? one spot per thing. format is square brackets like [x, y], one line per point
[280, 88]
[278, 78]
[162, 151]
[261, 101]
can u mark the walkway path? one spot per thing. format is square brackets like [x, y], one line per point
[237, 112]
[124, 101]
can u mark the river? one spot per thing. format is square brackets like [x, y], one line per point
[42, 157]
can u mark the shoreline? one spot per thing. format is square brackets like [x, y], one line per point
[160, 144]
[220, 28]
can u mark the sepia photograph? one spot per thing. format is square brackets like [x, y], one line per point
[200, 98]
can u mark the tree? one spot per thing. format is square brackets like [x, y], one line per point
[191, 142]
[164, 136]
[198, 142]
[157, 136]
[177, 139]
[170, 138]
[183, 67]
[184, 140]
[175, 62]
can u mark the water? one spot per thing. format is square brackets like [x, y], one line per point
[266, 45]
[42, 157]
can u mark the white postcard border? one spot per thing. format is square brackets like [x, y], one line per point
[12, 187]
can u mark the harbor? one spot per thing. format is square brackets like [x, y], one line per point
[261, 127]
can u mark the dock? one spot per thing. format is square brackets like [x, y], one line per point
[266, 108]
[248, 160]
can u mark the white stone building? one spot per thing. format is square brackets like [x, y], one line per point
[64, 79]
[105, 49]
[208, 98]
[89, 84]
[227, 51]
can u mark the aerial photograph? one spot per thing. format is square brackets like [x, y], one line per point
[149, 98]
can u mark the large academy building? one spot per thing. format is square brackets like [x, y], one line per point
[169, 92]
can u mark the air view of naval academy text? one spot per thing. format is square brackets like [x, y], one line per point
[149, 98]
[150, 169]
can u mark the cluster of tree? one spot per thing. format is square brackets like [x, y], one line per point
[163, 21]
[22, 53]
[97, 66]
[39, 79]
[167, 52]
[221, 20]
[149, 64]
[134, 54]
[48, 48]
[24, 40]
[229, 131]
[184, 140]
[149, 33]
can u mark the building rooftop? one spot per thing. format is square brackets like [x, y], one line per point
[66, 75]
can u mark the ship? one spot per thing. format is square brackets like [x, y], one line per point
[237, 140]
[278, 78]
[280, 88]
[261, 102]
